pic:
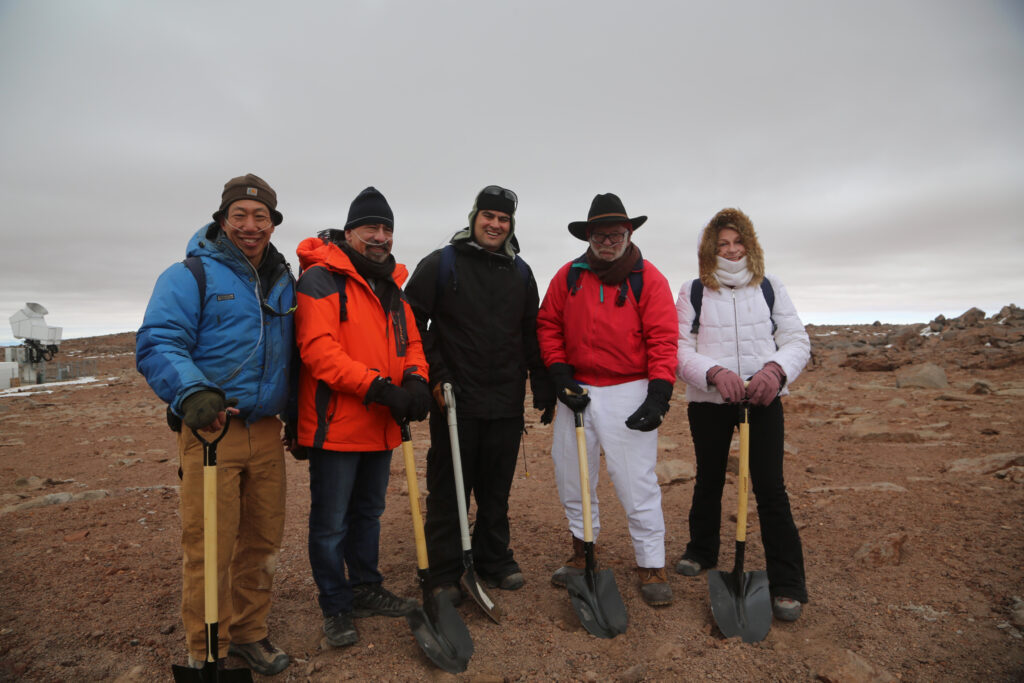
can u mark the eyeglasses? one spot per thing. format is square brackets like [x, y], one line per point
[501, 192]
[612, 238]
[238, 219]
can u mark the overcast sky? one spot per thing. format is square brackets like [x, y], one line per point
[877, 146]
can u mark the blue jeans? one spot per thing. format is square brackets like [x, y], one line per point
[347, 492]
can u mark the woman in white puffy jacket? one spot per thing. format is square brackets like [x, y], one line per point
[738, 338]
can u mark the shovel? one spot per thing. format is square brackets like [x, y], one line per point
[741, 601]
[593, 594]
[436, 625]
[470, 582]
[209, 672]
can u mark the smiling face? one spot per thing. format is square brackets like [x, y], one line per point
[491, 228]
[609, 242]
[372, 241]
[730, 245]
[248, 225]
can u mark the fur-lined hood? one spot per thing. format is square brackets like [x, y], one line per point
[707, 251]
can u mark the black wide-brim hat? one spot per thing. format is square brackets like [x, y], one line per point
[606, 208]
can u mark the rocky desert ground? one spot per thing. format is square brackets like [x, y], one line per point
[905, 465]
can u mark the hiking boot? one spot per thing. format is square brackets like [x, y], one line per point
[340, 630]
[688, 567]
[261, 656]
[450, 591]
[373, 599]
[574, 565]
[654, 588]
[786, 609]
[512, 581]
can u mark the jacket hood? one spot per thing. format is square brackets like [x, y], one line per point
[314, 251]
[211, 241]
[707, 251]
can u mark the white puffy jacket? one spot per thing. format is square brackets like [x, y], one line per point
[736, 332]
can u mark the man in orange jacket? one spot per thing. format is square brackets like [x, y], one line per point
[363, 373]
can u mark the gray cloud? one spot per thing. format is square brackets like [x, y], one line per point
[876, 146]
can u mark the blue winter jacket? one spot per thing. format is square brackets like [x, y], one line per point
[235, 340]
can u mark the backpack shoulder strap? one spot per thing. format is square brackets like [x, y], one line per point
[696, 299]
[446, 269]
[572, 276]
[769, 297]
[195, 266]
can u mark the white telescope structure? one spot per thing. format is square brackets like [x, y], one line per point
[41, 339]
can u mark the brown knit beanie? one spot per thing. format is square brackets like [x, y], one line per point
[248, 186]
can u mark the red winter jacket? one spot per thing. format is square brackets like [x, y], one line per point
[608, 344]
[340, 358]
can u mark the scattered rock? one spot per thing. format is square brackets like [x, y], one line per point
[876, 486]
[986, 465]
[849, 667]
[885, 552]
[77, 536]
[633, 674]
[925, 376]
[980, 387]
[670, 471]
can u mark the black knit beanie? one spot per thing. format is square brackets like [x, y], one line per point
[369, 208]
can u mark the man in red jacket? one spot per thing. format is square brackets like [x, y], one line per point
[363, 372]
[608, 328]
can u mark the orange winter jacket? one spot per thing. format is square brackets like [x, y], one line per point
[342, 356]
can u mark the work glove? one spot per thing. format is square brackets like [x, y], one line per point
[548, 415]
[438, 392]
[419, 392]
[201, 408]
[385, 393]
[764, 386]
[729, 384]
[651, 412]
[567, 389]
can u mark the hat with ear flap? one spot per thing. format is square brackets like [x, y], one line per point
[605, 209]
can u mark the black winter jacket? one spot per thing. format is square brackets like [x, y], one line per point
[479, 329]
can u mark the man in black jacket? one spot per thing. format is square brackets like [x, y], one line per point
[475, 303]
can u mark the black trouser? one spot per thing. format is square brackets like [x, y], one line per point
[712, 426]
[488, 449]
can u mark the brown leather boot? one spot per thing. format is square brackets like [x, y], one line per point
[654, 588]
[574, 565]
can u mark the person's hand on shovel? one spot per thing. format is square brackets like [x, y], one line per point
[207, 410]
[729, 384]
[766, 383]
[568, 389]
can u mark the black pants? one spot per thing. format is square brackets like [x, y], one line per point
[489, 449]
[712, 426]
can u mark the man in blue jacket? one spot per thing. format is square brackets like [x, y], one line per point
[219, 327]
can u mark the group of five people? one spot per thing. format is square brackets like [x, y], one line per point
[345, 354]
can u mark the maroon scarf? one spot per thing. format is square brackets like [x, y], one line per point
[614, 272]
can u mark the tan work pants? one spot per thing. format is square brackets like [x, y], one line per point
[250, 526]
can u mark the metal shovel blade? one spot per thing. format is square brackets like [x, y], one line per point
[210, 674]
[441, 634]
[597, 601]
[471, 584]
[741, 604]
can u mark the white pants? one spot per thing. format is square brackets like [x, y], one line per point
[630, 457]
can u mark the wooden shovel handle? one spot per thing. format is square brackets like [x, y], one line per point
[414, 498]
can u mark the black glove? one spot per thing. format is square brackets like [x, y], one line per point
[396, 398]
[201, 408]
[548, 415]
[650, 413]
[291, 441]
[419, 392]
[567, 389]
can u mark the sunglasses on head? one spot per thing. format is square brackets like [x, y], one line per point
[501, 192]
